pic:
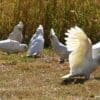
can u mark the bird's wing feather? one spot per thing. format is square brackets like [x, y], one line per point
[78, 42]
[36, 46]
[96, 51]
[9, 45]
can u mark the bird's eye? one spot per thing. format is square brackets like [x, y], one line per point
[25, 47]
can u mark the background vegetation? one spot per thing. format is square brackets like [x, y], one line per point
[23, 78]
[59, 14]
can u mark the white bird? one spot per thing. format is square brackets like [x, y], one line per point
[36, 44]
[60, 49]
[96, 51]
[16, 34]
[11, 46]
[81, 61]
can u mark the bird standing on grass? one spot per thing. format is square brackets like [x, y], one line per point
[81, 60]
[16, 34]
[60, 49]
[11, 46]
[36, 44]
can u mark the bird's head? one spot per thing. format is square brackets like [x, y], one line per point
[40, 30]
[20, 25]
[23, 47]
[52, 34]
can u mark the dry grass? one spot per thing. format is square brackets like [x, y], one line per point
[23, 78]
[59, 14]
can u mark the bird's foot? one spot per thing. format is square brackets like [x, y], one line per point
[61, 61]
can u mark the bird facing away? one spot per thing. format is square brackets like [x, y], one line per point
[36, 44]
[16, 34]
[60, 49]
[81, 61]
[11, 46]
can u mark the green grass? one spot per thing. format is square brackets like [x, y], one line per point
[23, 78]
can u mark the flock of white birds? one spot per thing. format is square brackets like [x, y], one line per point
[83, 57]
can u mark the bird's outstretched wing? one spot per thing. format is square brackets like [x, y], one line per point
[81, 52]
[80, 46]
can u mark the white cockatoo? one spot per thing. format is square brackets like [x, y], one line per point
[36, 44]
[81, 60]
[16, 34]
[11, 46]
[60, 49]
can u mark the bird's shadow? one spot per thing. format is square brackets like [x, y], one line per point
[76, 80]
[97, 78]
[35, 57]
[73, 81]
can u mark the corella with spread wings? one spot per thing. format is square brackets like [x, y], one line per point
[16, 34]
[36, 44]
[81, 61]
[60, 49]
